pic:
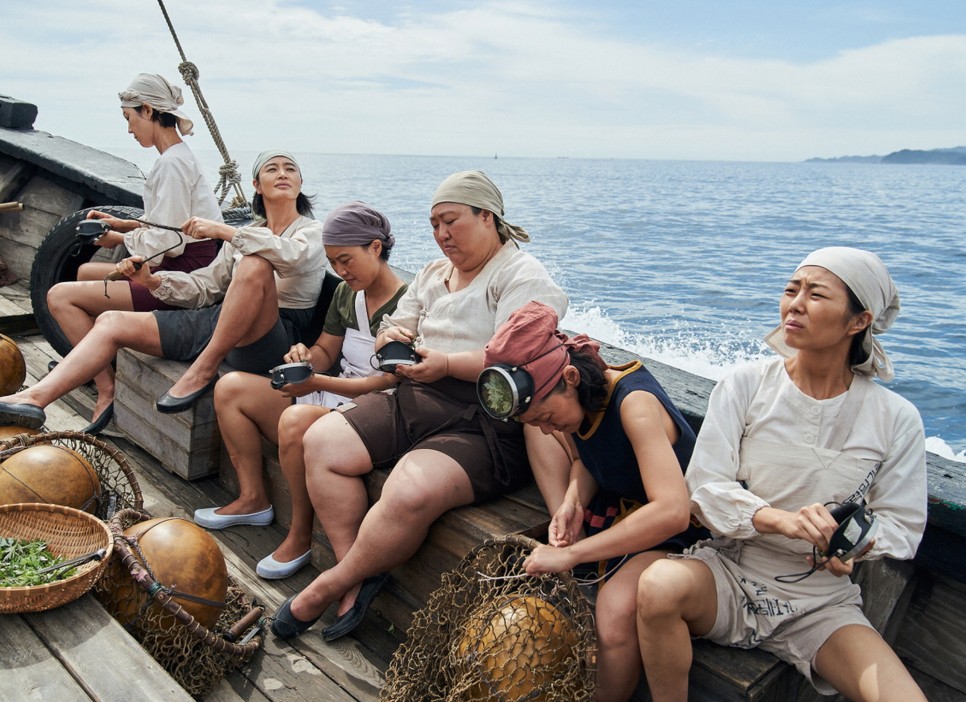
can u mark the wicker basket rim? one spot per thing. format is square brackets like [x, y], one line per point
[83, 570]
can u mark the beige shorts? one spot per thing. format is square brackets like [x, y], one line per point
[756, 611]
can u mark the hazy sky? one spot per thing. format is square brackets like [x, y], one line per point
[767, 80]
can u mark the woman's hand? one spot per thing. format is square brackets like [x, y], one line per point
[838, 567]
[395, 334]
[201, 228]
[118, 225]
[433, 366]
[548, 559]
[299, 353]
[566, 525]
[109, 240]
[293, 390]
[138, 273]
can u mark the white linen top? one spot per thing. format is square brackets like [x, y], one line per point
[174, 191]
[759, 400]
[466, 319]
[296, 255]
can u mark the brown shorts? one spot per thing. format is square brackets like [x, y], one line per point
[444, 416]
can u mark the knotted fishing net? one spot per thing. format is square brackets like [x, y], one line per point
[491, 632]
[195, 656]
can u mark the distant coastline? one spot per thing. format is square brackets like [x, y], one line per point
[955, 156]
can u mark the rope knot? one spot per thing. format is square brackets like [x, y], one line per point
[228, 172]
[189, 71]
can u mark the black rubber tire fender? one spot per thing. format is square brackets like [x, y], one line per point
[57, 260]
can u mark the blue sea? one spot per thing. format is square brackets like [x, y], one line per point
[684, 261]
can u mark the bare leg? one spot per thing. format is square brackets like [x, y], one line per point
[92, 356]
[550, 461]
[294, 422]
[423, 485]
[248, 312]
[76, 305]
[675, 600]
[862, 666]
[248, 409]
[619, 654]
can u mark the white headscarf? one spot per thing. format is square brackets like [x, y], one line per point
[154, 90]
[867, 276]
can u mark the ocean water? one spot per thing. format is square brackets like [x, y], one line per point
[684, 262]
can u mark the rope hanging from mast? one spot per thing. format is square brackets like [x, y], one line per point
[228, 175]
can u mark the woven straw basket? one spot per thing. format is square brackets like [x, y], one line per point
[69, 533]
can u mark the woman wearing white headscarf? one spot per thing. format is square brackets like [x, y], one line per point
[174, 191]
[782, 441]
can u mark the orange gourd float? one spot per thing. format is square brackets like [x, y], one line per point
[13, 370]
[180, 556]
[52, 474]
[519, 646]
[13, 430]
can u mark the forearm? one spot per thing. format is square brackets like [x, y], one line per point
[353, 387]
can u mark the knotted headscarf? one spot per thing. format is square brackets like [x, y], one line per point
[475, 189]
[867, 276]
[529, 339]
[267, 156]
[356, 224]
[155, 90]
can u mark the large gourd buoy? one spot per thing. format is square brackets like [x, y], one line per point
[13, 430]
[183, 558]
[13, 370]
[52, 474]
[518, 646]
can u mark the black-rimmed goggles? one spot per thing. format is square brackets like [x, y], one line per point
[506, 391]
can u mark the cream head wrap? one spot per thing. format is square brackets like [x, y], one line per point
[475, 189]
[867, 276]
[267, 156]
[154, 90]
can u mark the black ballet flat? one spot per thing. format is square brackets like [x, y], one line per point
[22, 414]
[100, 424]
[169, 404]
[353, 618]
[284, 623]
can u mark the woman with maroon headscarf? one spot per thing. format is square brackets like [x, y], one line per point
[608, 449]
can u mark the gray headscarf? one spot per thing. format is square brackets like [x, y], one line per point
[475, 189]
[155, 90]
[867, 276]
[267, 156]
[356, 224]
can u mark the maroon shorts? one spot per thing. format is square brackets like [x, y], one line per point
[197, 255]
[444, 416]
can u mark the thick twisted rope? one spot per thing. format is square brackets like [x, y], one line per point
[228, 175]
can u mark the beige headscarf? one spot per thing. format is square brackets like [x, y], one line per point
[475, 189]
[867, 276]
[154, 90]
[267, 156]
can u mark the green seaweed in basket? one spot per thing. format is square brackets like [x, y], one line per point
[20, 561]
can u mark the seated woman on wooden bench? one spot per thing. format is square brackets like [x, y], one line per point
[252, 303]
[605, 441]
[444, 451]
[357, 243]
[174, 191]
[784, 440]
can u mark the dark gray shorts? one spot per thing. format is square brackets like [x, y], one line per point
[444, 416]
[184, 335]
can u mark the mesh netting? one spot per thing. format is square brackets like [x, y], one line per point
[195, 656]
[490, 632]
[119, 486]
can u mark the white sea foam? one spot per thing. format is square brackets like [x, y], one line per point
[936, 445]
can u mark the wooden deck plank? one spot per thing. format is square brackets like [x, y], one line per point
[27, 670]
[97, 651]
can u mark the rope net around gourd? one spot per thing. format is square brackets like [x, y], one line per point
[490, 632]
[196, 656]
